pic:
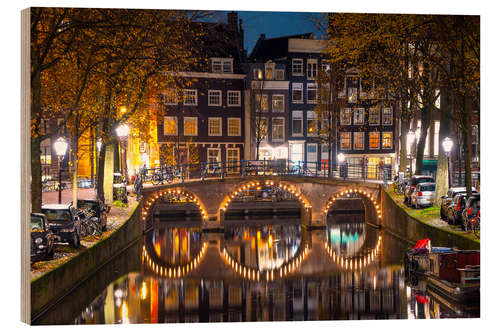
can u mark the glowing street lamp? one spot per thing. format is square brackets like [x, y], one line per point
[447, 146]
[60, 146]
[99, 145]
[122, 132]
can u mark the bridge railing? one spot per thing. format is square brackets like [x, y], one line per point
[245, 168]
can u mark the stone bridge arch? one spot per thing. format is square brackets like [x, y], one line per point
[315, 195]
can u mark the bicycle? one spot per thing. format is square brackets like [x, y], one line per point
[475, 225]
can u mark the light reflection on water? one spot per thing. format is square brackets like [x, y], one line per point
[319, 288]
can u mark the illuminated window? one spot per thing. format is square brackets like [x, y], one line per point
[345, 140]
[374, 117]
[278, 129]
[278, 103]
[232, 157]
[352, 94]
[190, 97]
[297, 67]
[213, 155]
[46, 152]
[386, 140]
[170, 126]
[190, 126]
[312, 123]
[345, 116]
[359, 116]
[214, 98]
[233, 98]
[214, 126]
[261, 102]
[269, 67]
[387, 116]
[233, 126]
[359, 140]
[297, 96]
[257, 74]
[261, 129]
[374, 140]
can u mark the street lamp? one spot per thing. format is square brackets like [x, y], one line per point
[60, 146]
[99, 145]
[447, 145]
[122, 132]
[341, 159]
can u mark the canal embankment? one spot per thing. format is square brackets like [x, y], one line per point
[411, 225]
[49, 288]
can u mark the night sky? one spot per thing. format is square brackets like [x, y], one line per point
[274, 24]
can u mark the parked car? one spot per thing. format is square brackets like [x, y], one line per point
[64, 223]
[470, 211]
[424, 195]
[98, 209]
[455, 208]
[42, 239]
[412, 184]
[447, 199]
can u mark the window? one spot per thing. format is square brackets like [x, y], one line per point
[359, 116]
[326, 93]
[190, 126]
[297, 67]
[214, 98]
[386, 140]
[261, 103]
[269, 71]
[170, 126]
[190, 97]
[312, 69]
[44, 124]
[278, 129]
[214, 126]
[261, 129]
[233, 126]
[345, 140]
[280, 74]
[312, 90]
[374, 117]
[257, 74]
[233, 158]
[374, 140]
[297, 96]
[213, 155]
[312, 123]
[234, 98]
[278, 103]
[46, 153]
[387, 116]
[169, 97]
[297, 123]
[345, 116]
[352, 95]
[359, 140]
[222, 65]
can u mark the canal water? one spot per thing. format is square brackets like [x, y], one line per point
[255, 270]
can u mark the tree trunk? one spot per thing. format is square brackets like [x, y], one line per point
[75, 160]
[36, 176]
[425, 122]
[467, 133]
[403, 154]
[108, 173]
[442, 176]
[100, 173]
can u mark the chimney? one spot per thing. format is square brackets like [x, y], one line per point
[232, 20]
[262, 36]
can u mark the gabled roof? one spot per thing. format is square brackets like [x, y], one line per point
[274, 48]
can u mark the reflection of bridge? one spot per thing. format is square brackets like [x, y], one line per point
[316, 196]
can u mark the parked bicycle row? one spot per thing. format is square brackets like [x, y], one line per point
[64, 223]
[456, 207]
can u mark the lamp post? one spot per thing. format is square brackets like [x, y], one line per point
[447, 145]
[341, 159]
[60, 146]
[122, 132]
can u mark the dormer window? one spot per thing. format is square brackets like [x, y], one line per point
[222, 65]
[269, 70]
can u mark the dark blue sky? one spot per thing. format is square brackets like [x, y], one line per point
[274, 24]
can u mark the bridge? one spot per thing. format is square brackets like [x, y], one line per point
[317, 196]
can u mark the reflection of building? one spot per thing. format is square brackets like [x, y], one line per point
[176, 246]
